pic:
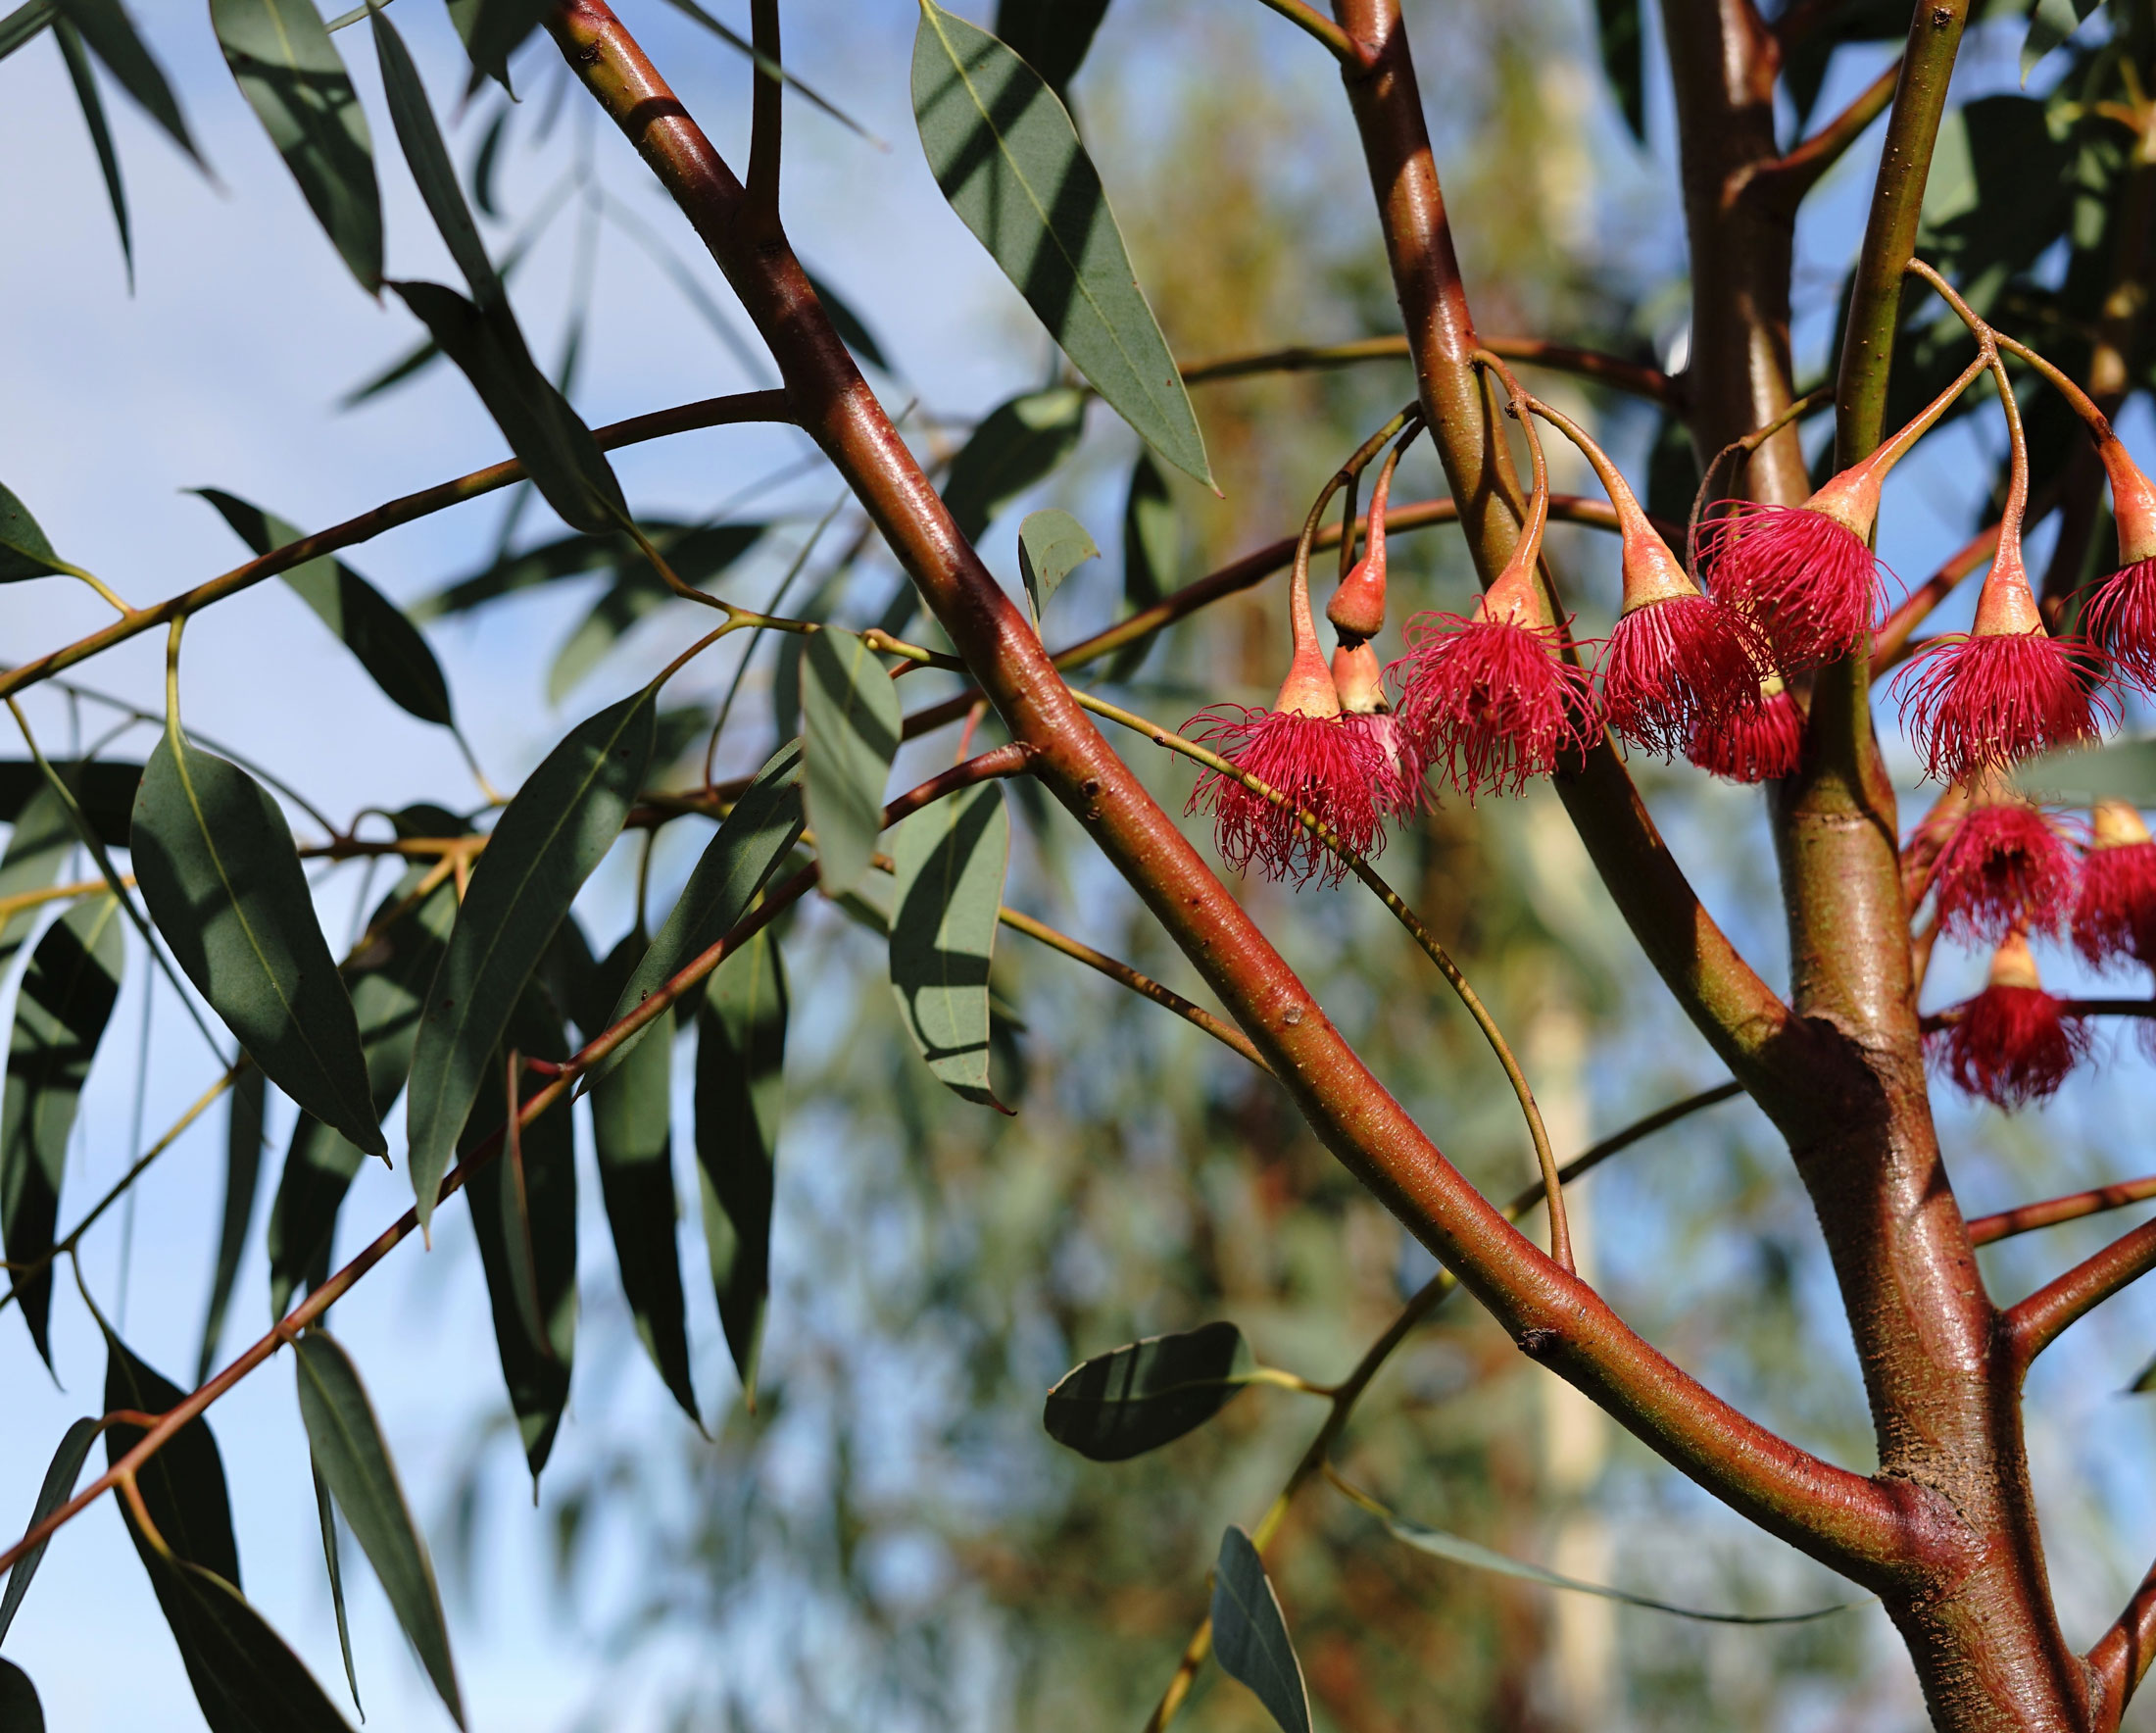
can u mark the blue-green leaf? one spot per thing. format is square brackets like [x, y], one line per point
[1015, 445]
[294, 80]
[325, 1517]
[632, 1133]
[243, 1146]
[555, 832]
[84, 76]
[1145, 1394]
[740, 1100]
[951, 859]
[24, 550]
[37, 848]
[56, 1490]
[225, 886]
[1051, 36]
[352, 1457]
[377, 632]
[1052, 545]
[1007, 158]
[59, 1015]
[428, 159]
[112, 38]
[1250, 1635]
[754, 837]
[2124, 769]
[850, 715]
[2050, 23]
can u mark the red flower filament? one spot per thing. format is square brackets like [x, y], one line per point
[1677, 666]
[1810, 581]
[2011, 1046]
[1332, 767]
[1490, 703]
[2115, 915]
[1999, 698]
[1752, 745]
[2122, 620]
[2004, 866]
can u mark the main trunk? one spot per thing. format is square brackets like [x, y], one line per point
[1943, 1397]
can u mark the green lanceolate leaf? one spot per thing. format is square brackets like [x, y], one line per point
[698, 553]
[57, 1489]
[1052, 545]
[223, 884]
[1624, 60]
[23, 23]
[1018, 444]
[1051, 36]
[632, 1131]
[493, 30]
[1145, 1394]
[20, 1710]
[2125, 770]
[740, 1100]
[1152, 552]
[1007, 158]
[244, 1144]
[949, 888]
[105, 27]
[352, 1457]
[556, 832]
[319, 1169]
[428, 159]
[325, 1517]
[289, 70]
[1251, 1634]
[850, 721]
[37, 849]
[246, 1677]
[104, 788]
[24, 550]
[183, 1485]
[524, 1212]
[376, 631]
[84, 76]
[754, 837]
[60, 1017]
[554, 446]
[2050, 23]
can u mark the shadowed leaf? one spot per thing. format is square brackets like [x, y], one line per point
[112, 38]
[83, 78]
[1250, 1636]
[289, 70]
[524, 1214]
[243, 1146]
[104, 788]
[23, 23]
[223, 884]
[632, 1132]
[325, 1517]
[421, 138]
[1007, 158]
[20, 1710]
[1017, 444]
[1135, 1398]
[556, 832]
[754, 837]
[740, 1100]
[24, 550]
[56, 1490]
[1052, 545]
[37, 849]
[354, 1460]
[948, 887]
[850, 720]
[2050, 23]
[377, 632]
[1051, 36]
[61, 1014]
[183, 1485]
[852, 330]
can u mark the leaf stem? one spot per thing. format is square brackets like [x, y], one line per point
[1310, 20]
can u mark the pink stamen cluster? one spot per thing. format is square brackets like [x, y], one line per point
[1334, 766]
[1808, 579]
[2003, 867]
[1491, 702]
[2011, 1046]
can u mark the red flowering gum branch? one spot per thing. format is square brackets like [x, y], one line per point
[2028, 1217]
[1867, 1527]
[2040, 1319]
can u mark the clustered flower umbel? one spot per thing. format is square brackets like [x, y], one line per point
[1482, 703]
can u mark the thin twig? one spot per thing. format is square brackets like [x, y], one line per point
[1633, 377]
[2028, 1217]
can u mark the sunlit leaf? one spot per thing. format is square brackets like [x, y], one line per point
[632, 1133]
[1007, 158]
[225, 886]
[243, 1147]
[2081, 776]
[61, 1014]
[1016, 445]
[376, 631]
[349, 1450]
[37, 849]
[2050, 23]
[1052, 545]
[1135, 1398]
[290, 71]
[84, 76]
[949, 886]
[20, 1710]
[557, 449]
[849, 717]
[524, 1212]
[112, 38]
[555, 832]
[740, 1101]
[754, 837]
[1251, 1634]
[56, 1490]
